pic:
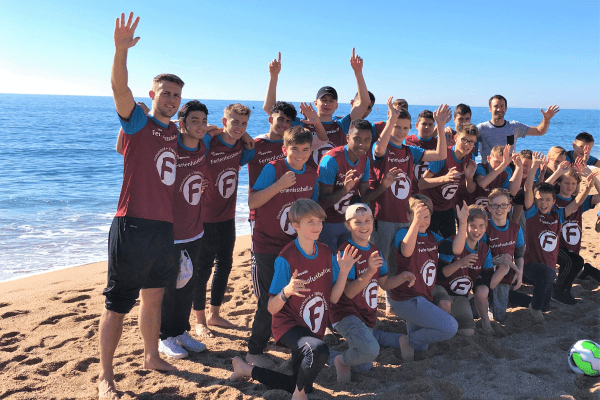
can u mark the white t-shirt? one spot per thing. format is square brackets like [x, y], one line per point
[491, 136]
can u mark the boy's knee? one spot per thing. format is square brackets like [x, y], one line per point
[446, 306]
[372, 350]
[481, 293]
[320, 353]
[451, 327]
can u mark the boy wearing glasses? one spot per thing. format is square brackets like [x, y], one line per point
[443, 178]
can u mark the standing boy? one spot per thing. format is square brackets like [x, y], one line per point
[582, 145]
[140, 244]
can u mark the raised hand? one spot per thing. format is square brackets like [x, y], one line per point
[453, 176]
[124, 32]
[348, 259]
[470, 169]
[275, 66]
[589, 180]
[393, 113]
[350, 181]
[564, 167]
[538, 159]
[516, 159]
[420, 213]
[375, 262]
[462, 213]
[391, 176]
[449, 136]
[442, 115]
[287, 180]
[356, 62]
[550, 112]
[309, 113]
[468, 260]
[296, 286]
[506, 155]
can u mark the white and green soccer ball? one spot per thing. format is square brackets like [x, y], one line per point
[584, 358]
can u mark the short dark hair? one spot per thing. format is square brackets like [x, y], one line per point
[399, 102]
[404, 114]
[585, 137]
[371, 96]
[467, 129]
[545, 188]
[286, 108]
[462, 109]
[425, 114]
[297, 135]
[528, 154]
[193, 105]
[360, 125]
[169, 78]
[498, 97]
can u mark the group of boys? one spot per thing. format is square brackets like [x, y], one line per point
[319, 252]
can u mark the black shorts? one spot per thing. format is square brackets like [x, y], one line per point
[141, 255]
[485, 278]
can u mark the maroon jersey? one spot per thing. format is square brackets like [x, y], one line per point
[421, 167]
[378, 128]
[191, 168]
[443, 196]
[543, 233]
[422, 263]
[364, 304]
[480, 195]
[272, 230]
[312, 311]
[336, 137]
[390, 206]
[503, 242]
[222, 168]
[461, 281]
[336, 213]
[265, 151]
[149, 163]
[571, 229]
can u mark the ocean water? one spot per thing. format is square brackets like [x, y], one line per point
[62, 176]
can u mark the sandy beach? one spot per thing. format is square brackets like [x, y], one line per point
[49, 348]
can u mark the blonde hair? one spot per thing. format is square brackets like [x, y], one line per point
[297, 135]
[497, 151]
[417, 199]
[236, 108]
[499, 192]
[556, 152]
[303, 208]
[572, 172]
[475, 212]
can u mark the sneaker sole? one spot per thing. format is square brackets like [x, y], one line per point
[175, 357]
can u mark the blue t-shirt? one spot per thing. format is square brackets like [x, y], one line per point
[283, 270]
[267, 178]
[591, 160]
[482, 171]
[383, 270]
[328, 168]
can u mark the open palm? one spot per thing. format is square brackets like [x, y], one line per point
[124, 32]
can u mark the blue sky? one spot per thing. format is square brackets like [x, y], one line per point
[534, 53]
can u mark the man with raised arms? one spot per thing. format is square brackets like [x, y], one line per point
[141, 240]
[499, 132]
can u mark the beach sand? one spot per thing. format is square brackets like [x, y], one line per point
[49, 348]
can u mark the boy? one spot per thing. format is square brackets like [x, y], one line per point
[556, 156]
[526, 161]
[343, 173]
[462, 273]
[569, 260]
[280, 183]
[462, 115]
[188, 230]
[582, 145]
[543, 230]
[326, 104]
[507, 245]
[227, 153]
[355, 314]
[443, 178]
[392, 168]
[426, 139]
[494, 174]
[399, 104]
[300, 301]
[140, 242]
[418, 253]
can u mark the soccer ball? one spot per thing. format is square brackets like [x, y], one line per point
[584, 358]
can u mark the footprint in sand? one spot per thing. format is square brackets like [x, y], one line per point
[83, 365]
[32, 361]
[55, 318]
[47, 369]
[14, 313]
[241, 312]
[77, 298]
[61, 344]
[4, 305]
[87, 317]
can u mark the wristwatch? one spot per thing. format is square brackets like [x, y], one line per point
[285, 299]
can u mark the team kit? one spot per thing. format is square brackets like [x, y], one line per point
[340, 207]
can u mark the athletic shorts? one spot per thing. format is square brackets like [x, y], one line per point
[141, 255]
[461, 308]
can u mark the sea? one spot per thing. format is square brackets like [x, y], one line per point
[62, 175]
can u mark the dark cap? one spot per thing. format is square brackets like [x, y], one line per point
[327, 90]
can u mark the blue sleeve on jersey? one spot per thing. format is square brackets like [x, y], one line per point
[437, 237]
[592, 160]
[328, 169]
[335, 269]
[137, 121]
[520, 238]
[506, 183]
[561, 214]
[296, 121]
[480, 171]
[587, 204]
[436, 166]
[399, 237]
[531, 212]
[365, 177]
[374, 132]
[537, 175]
[266, 178]
[315, 193]
[446, 257]
[383, 270]
[344, 123]
[417, 153]
[247, 156]
[206, 140]
[282, 275]
[487, 263]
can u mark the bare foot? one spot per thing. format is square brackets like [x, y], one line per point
[407, 352]
[260, 360]
[203, 331]
[465, 332]
[487, 328]
[330, 339]
[390, 313]
[299, 395]
[241, 369]
[343, 370]
[107, 390]
[537, 315]
[158, 364]
[217, 320]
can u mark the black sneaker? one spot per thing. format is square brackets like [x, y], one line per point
[564, 297]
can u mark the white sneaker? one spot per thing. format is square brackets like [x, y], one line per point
[191, 344]
[171, 349]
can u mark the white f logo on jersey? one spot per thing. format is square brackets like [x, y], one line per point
[482, 201]
[285, 223]
[313, 313]
[165, 165]
[461, 285]
[370, 294]
[448, 191]
[420, 169]
[571, 233]
[228, 184]
[192, 189]
[401, 186]
[343, 204]
[317, 154]
[428, 272]
[548, 241]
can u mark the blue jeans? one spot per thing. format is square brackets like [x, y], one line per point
[425, 322]
[500, 301]
[334, 235]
